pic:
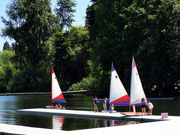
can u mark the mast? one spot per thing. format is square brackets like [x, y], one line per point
[52, 71]
[131, 84]
[110, 85]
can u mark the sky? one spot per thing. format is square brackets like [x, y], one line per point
[79, 16]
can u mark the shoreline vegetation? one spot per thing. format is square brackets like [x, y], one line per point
[114, 31]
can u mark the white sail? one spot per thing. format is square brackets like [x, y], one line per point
[118, 94]
[57, 95]
[136, 91]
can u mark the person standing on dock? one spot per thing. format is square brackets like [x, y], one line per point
[143, 106]
[95, 105]
[105, 105]
[150, 105]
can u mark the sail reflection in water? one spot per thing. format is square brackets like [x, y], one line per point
[57, 122]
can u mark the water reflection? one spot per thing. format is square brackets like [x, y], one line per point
[70, 123]
[112, 123]
[96, 123]
[105, 123]
[57, 122]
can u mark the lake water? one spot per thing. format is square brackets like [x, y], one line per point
[9, 105]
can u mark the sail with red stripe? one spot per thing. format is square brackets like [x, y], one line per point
[118, 94]
[136, 90]
[56, 92]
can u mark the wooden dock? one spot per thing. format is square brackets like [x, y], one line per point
[168, 126]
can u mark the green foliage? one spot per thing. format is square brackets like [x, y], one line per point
[116, 30]
[148, 30]
[40, 43]
[29, 79]
[157, 44]
[71, 55]
[7, 70]
[32, 79]
[107, 45]
[2, 85]
[88, 83]
[30, 25]
[5, 58]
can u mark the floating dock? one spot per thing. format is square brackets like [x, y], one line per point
[168, 126]
[88, 114]
[71, 113]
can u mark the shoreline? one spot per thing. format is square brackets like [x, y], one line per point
[77, 92]
[42, 93]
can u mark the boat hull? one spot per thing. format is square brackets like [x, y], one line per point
[133, 113]
[53, 107]
[109, 111]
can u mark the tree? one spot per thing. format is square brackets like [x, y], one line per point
[71, 55]
[90, 14]
[65, 11]
[6, 46]
[5, 57]
[106, 44]
[146, 29]
[30, 25]
[156, 24]
[32, 79]
[7, 70]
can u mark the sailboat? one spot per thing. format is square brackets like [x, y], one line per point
[136, 90]
[56, 93]
[118, 94]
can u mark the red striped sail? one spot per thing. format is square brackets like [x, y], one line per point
[56, 92]
[118, 94]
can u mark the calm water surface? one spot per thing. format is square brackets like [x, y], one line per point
[9, 105]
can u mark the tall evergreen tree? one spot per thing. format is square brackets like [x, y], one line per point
[30, 25]
[65, 11]
[90, 14]
[6, 46]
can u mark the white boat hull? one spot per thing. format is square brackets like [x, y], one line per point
[133, 113]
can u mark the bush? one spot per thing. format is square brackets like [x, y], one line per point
[88, 83]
